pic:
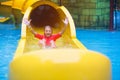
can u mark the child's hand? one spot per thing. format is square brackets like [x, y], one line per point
[26, 21]
[65, 21]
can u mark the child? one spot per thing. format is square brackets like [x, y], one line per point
[48, 39]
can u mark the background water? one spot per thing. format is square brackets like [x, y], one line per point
[8, 43]
[108, 43]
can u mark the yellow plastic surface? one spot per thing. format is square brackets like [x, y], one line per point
[3, 19]
[61, 64]
[8, 3]
[69, 61]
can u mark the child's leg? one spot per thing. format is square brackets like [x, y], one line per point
[42, 42]
[52, 44]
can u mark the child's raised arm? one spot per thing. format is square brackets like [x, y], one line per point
[65, 25]
[27, 22]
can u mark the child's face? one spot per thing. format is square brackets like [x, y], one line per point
[48, 31]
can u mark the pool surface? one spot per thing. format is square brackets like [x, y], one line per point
[8, 43]
[108, 43]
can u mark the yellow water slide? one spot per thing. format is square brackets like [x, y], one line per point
[71, 60]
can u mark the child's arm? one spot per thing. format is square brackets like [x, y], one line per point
[27, 22]
[33, 32]
[65, 25]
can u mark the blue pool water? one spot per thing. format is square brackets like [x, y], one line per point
[108, 43]
[8, 42]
